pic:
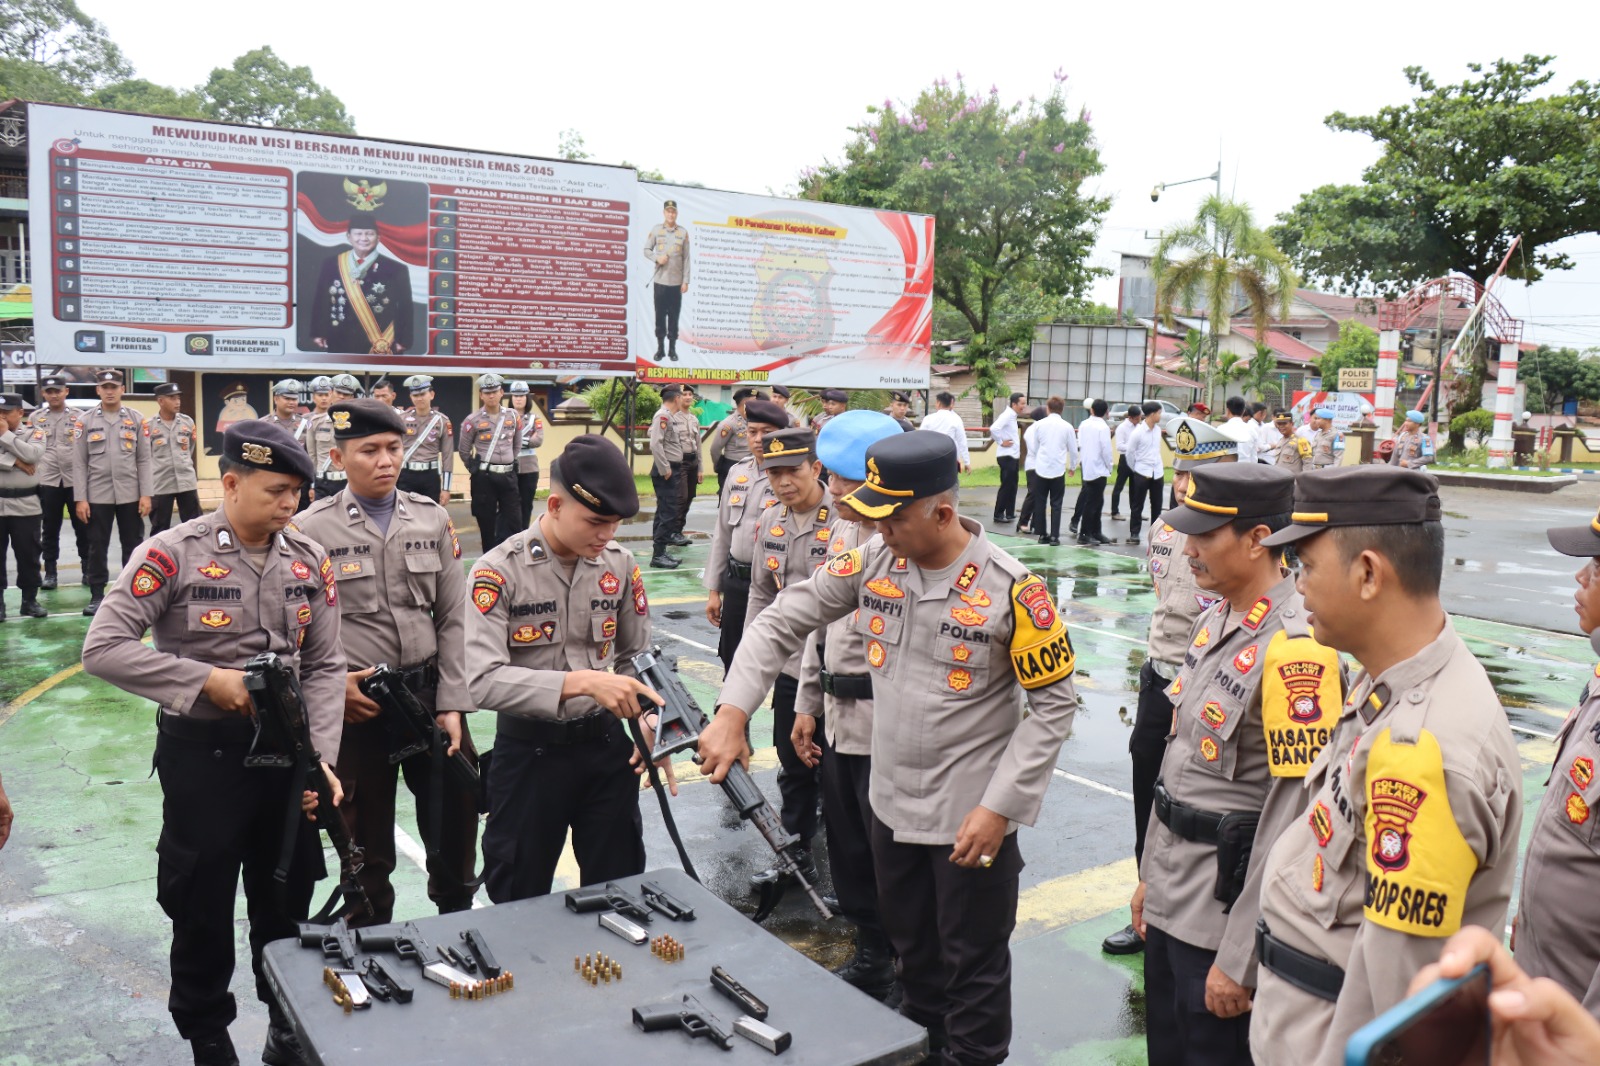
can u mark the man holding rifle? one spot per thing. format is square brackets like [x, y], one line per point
[402, 598]
[215, 592]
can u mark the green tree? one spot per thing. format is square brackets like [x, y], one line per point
[1005, 184]
[1357, 348]
[1261, 376]
[1215, 260]
[260, 89]
[52, 48]
[1193, 353]
[1554, 375]
[1463, 170]
[146, 97]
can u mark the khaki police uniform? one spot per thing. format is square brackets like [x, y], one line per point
[174, 446]
[689, 429]
[55, 487]
[197, 591]
[746, 495]
[1409, 452]
[318, 439]
[728, 446]
[328, 480]
[668, 469]
[430, 453]
[1294, 453]
[1322, 449]
[21, 452]
[667, 280]
[402, 601]
[111, 470]
[528, 442]
[557, 764]
[489, 441]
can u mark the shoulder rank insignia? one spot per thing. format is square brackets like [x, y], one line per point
[1257, 613]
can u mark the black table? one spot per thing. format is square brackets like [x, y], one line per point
[553, 1016]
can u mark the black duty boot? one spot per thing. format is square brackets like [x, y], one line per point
[662, 561]
[31, 608]
[680, 541]
[2, 610]
[872, 968]
[282, 1047]
[1123, 942]
[214, 1050]
[49, 581]
[672, 349]
[97, 596]
[773, 875]
[660, 354]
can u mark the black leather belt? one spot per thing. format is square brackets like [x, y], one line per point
[1308, 973]
[847, 686]
[1190, 823]
[238, 730]
[421, 677]
[19, 494]
[739, 571]
[595, 728]
[496, 468]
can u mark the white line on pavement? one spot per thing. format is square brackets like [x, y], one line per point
[686, 640]
[1086, 783]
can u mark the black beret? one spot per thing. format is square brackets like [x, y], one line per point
[593, 472]
[671, 392]
[744, 394]
[363, 418]
[266, 446]
[900, 397]
[766, 413]
[781, 390]
[900, 469]
[835, 395]
[167, 388]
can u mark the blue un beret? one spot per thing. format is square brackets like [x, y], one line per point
[1416, 416]
[842, 445]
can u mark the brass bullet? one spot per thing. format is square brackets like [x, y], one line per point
[455, 990]
[511, 979]
[576, 965]
[586, 960]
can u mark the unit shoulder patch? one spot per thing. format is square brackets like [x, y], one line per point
[1301, 692]
[1041, 650]
[845, 564]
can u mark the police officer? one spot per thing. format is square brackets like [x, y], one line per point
[174, 451]
[402, 601]
[318, 436]
[214, 592]
[1408, 829]
[383, 391]
[780, 396]
[429, 458]
[689, 427]
[746, 495]
[1410, 447]
[835, 402]
[728, 445]
[22, 448]
[667, 247]
[321, 388]
[286, 413]
[558, 612]
[791, 543]
[667, 473]
[111, 480]
[836, 691]
[1293, 452]
[528, 442]
[1252, 706]
[1179, 601]
[1322, 440]
[956, 630]
[488, 441]
[899, 408]
[1556, 934]
[55, 475]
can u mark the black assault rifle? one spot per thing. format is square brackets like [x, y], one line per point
[283, 739]
[679, 728]
[412, 726]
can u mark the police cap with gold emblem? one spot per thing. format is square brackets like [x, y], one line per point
[265, 446]
[1578, 541]
[1195, 442]
[765, 413]
[1359, 496]
[903, 468]
[363, 418]
[1223, 492]
[593, 472]
[788, 447]
[670, 204]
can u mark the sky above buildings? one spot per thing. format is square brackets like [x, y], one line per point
[745, 95]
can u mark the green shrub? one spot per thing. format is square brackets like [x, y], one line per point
[1476, 424]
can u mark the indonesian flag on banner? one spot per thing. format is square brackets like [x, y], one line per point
[409, 244]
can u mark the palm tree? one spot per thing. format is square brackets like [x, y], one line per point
[1228, 261]
[1261, 377]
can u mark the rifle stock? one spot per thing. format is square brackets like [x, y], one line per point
[413, 726]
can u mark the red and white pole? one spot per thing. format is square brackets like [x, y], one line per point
[1504, 401]
[1388, 376]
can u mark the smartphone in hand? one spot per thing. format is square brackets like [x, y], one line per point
[1446, 1024]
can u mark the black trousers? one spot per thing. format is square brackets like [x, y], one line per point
[22, 531]
[1025, 515]
[130, 531]
[1144, 487]
[161, 508]
[527, 487]
[951, 927]
[426, 482]
[54, 501]
[797, 783]
[735, 604]
[325, 488]
[1148, 745]
[370, 783]
[1048, 494]
[691, 485]
[220, 820]
[1124, 474]
[1179, 1031]
[669, 301]
[669, 505]
[1091, 502]
[494, 506]
[847, 819]
[722, 466]
[1005, 502]
[538, 791]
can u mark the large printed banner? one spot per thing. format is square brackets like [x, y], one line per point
[756, 288]
[170, 243]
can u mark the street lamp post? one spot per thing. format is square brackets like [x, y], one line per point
[1155, 195]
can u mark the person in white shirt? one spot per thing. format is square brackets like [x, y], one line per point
[1149, 471]
[1095, 450]
[1008, 454]
[1124, 430]
[1267, 436]
[1030, 477]
[1055, 447]
[1244, 430]
[946, 421]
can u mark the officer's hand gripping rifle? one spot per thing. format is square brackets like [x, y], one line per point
[679, 728]
[283, 738]
[413, 727]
